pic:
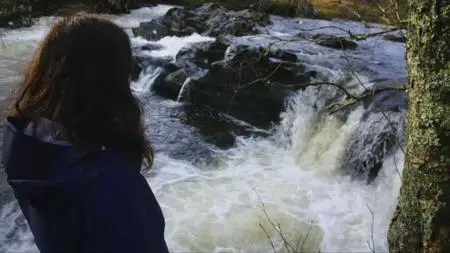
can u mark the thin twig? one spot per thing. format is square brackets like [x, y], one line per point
[298, 244]
[268, 237]
[396, 167]
[306, 238]
[365, 94]
[340, 87]
[325, 27]
[287, 245]
[262, 79]
[372, 248]
[277, 228]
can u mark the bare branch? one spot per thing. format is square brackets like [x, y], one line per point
[298, 244]
[372, 248]
[366, 89]
[276, 227]
[326, 27]
[306, 238]
[287, 245]
[396, 167]
[268, 237]
[344, 105]
[262, 79]
[367, 92]
[366, 36]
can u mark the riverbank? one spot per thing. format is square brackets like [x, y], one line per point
[20, 13]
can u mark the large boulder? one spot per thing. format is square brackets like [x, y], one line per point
[250, 84]
[209, 19]
[374, 139]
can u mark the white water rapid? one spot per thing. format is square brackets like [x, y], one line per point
[291, 177]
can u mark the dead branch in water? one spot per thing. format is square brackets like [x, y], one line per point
[301, 241]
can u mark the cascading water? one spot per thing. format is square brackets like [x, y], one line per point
[222, 203]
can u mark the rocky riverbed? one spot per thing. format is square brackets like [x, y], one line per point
[240, 109]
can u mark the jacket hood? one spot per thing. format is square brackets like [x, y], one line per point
[41, 168]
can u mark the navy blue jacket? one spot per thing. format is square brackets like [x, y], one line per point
[102, 205]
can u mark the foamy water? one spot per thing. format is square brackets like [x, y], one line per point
[291, 178]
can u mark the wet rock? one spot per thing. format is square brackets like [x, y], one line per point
[336, 42]
[190, 132]
[169, 86]
[136, 70]
[215, 127]
[18, 19]
[248, 83]
[395, 37]
[283, 55]
[372, 142]
[202, 54]
[209, 19]
[151, 47]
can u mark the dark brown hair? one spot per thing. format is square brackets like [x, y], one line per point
[79, 78]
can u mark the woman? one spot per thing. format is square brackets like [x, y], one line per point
[74, 145]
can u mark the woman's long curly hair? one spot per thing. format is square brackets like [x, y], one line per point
[79, 78]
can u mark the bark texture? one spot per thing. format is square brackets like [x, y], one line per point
[421, 222]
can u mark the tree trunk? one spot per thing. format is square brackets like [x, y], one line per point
[421, 222]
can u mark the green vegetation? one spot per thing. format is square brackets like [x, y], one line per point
[421, 221]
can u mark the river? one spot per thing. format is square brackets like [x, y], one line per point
[217, 200]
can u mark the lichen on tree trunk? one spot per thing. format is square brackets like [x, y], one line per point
[421, 222]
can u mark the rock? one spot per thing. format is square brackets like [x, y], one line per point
[307, 10]
[16, 22]
[334, 41]
[283, 55]
[17, 19]
[117, 6]
[215, 127]
[297, 8]
[202, 54]
[395, 38]
[170, 86]
[371, 143]
[136, 70]
[151, 47]
[376, 137]
[141, 62]
[236, 79]
[209, 19]
[142, 58]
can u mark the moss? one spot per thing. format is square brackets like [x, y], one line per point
[421, 222]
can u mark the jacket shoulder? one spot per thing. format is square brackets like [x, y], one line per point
[120, 212]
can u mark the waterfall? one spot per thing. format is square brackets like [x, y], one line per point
[293, 177]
